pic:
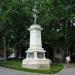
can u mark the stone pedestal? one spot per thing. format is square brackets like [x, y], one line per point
[35, 58]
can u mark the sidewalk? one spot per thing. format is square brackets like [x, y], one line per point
[70, 70]
[6, 71]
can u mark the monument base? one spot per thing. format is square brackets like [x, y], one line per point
[43, 64]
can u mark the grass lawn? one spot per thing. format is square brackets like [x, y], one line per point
[16, 64]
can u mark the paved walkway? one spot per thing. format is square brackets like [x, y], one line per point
[6, 71]
[68, 70]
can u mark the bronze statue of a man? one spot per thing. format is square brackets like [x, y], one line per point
[35, 13]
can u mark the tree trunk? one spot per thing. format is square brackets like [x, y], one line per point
[4, 40]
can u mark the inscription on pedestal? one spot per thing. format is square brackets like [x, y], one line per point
[40, 55]
[30, 55]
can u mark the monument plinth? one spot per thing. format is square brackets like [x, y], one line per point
[35, 58]
[35, 55]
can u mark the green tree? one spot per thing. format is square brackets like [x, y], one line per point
[54, 16]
